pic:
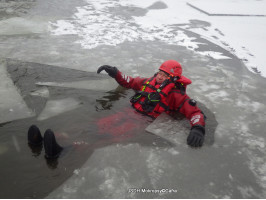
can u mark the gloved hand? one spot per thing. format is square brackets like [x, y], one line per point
[111, 71]
[196, 136]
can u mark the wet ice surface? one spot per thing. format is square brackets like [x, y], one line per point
[57, 107]
[12, 105]
[86, 35]
[103, 85]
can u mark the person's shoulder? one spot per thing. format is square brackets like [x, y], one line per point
[139, 80]
[144, 79]
[184, 80]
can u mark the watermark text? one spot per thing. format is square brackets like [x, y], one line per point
[155, 191]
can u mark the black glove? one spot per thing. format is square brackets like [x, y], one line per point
[111, 71]
[196, 136]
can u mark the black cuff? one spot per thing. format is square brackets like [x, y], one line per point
[199, 127]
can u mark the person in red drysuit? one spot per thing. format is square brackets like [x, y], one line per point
[164, 92]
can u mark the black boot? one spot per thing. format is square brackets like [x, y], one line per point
[52, 149]
[34, 136]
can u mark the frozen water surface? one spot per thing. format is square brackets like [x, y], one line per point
[56, 107]
[52, 57]
[105, 85]
[43, 92]
[248, 7]
[12, 105]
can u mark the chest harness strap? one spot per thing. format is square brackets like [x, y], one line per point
[151, 98]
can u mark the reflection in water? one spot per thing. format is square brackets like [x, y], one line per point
[106, 101]
[36, 150]
[52, 163]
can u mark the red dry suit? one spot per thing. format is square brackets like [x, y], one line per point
[173, 98]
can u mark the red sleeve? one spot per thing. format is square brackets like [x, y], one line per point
[182, 103]
[129, 82]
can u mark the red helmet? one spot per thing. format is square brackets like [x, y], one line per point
[172, 67]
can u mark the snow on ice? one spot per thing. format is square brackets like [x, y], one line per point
[96, 26]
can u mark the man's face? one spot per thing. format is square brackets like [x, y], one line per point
[161, 77]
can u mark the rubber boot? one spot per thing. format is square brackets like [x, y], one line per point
[34, 136]
[52, 149]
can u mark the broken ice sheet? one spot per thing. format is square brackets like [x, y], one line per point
[56, 107]
[104, 85]
[12, 105]
[169, 128]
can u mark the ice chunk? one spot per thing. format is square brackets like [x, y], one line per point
[56, 107]
[12, 105]
[168, 128]
[43, 92]
[104, 85]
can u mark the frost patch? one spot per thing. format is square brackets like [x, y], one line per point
[247, 104]
[115, 185]
[205, 87]
[156, 168]
[219, 95]
[246, 192]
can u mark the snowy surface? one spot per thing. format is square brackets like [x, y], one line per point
[242, 36]
[247, 7]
